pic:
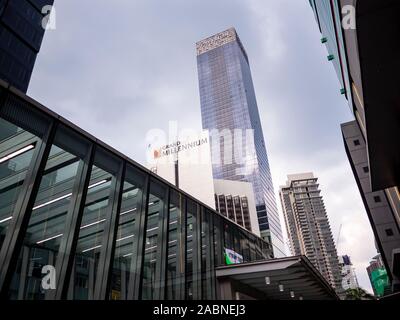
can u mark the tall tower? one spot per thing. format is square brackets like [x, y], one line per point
[21, 34]
[308, 225]
[228, 104]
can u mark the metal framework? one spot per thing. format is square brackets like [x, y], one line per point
[209, 236]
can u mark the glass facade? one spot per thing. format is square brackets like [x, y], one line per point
[21, 35]
[329, 19]
[228, 102]
[81, 221]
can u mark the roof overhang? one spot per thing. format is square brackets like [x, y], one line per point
[296, 274]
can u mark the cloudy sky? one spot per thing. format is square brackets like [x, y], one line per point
[119, 69]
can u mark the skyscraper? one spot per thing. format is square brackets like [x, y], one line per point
[228, 104]
[308, 225]
[21, 34]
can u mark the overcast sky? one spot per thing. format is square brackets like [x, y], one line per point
[121, 68]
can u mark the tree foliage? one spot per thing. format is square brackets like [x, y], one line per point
[358, 294]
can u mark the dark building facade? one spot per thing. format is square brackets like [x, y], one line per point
[106, 226]
[236, 208]
[21, 35]
[228, 103]
[366, 61]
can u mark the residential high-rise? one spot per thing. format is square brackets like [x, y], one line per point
[366, 61]
[21, 34]
[349, 277]
[228, 104]
[308, 226]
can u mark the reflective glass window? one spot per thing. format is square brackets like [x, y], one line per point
[228, 237]
[21, 131]
[47, 224]
[218, 240]
[156, 213]
[175, 257]
[206, 254]
[192, 251]
[244, 244]
[126, 245]
[96, 214]
[16, 152]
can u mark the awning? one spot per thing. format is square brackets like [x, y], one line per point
[277, 279]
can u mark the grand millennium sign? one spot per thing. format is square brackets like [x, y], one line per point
[178, 146]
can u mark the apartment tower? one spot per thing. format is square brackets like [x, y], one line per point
[308, 226]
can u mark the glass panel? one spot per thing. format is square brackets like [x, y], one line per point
[259, 255]
[192, 251]
[236, 236]
[152, 255]
[91, 234]
[228, 237]
[175, 276]
[252, 245]
[245, 247]
[16, 153]
[218, 240]
[46, 225]
[124, 267]
[206, 267]
[265, 249]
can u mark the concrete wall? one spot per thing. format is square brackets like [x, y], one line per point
[382, 218]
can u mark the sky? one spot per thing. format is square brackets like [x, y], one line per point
[119, 69]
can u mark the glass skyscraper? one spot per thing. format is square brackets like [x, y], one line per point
[228, 103]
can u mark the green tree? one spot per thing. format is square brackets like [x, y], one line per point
[358, 294]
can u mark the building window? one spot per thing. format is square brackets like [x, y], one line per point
[193, 282]
[98, 210]
[377, 199]
[356, 142]
[366, 169]
[152, 278]
[389, 232]
[49, 214]
[126, 242]
[175, 268]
